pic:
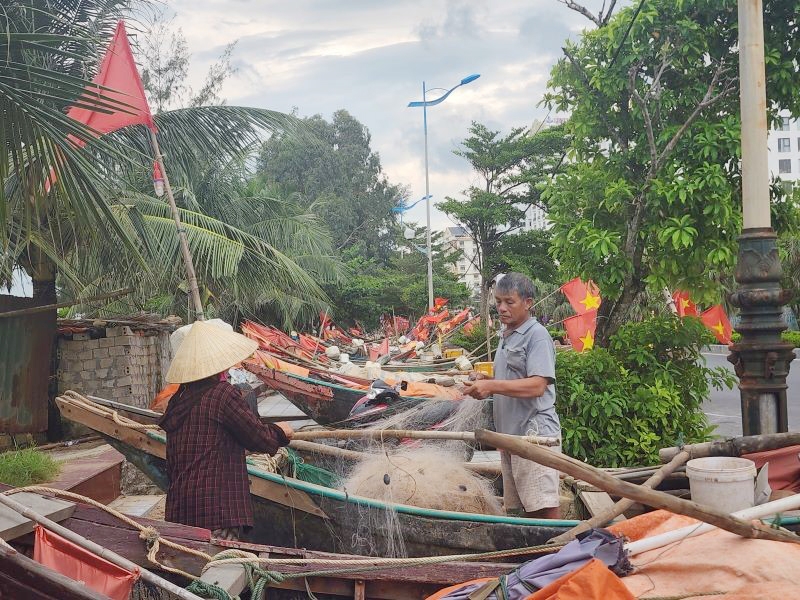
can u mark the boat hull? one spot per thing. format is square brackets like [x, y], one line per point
[356, 529]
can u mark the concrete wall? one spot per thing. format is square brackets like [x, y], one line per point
[115, 363]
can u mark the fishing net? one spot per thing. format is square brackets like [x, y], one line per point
[425, 477]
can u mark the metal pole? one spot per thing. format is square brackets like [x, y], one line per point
[427, 197]
[761, 360]
[191, 278]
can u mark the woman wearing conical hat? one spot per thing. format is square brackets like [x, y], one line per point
[209, 427]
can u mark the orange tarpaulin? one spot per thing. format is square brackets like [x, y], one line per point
[717, 561]
[273, 362]
[784, 467]
[593, 581]
[71, 560]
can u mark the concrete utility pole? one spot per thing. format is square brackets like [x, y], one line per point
[761, 360]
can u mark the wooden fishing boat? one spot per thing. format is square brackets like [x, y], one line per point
[324, 401]
[297, 513]
[21, 577]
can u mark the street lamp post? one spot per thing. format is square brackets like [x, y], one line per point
[761, 360]
[425, 103]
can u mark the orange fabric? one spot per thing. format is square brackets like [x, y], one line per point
[454, 588]
[580, 330]
[717, 323]
[583, 297]
[683, 304]
[160, 402]
[419, 389]
[784, 467]
[71, 560]
[648, 524]
[117, 72]
[717, 561]
[273, 362]
[593, 581]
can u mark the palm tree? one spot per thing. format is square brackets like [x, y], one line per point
[249, 261]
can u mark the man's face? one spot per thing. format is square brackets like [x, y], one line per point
[512, 309]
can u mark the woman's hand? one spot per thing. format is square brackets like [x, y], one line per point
[286, 429]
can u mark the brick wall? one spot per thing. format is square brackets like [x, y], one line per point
[115, 363]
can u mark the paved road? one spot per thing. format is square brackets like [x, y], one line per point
[724, 407]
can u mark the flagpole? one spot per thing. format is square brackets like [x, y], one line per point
[194, 291]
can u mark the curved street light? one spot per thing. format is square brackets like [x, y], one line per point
[425, 103]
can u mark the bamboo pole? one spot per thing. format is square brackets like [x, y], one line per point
[37, 309]
[646, 496]
[191, 278]
[623, 504]
[97, 549]
[485, 469]
[401, 434]
[734, 446]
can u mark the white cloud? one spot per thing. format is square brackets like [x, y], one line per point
[371, 58]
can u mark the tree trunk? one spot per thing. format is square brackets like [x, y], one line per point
[43, 272]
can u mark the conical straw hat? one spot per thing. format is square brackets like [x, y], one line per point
[207, 350]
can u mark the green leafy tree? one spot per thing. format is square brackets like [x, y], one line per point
[651, 195]
[526, 252]
[336, 173]
[513, 168]
[373, 288]
[165, 69]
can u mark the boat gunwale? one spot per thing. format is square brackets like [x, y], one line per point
[341, 496]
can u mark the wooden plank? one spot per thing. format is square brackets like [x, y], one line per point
[597, 502]
[359, 592]
[285, 495]
[231, 578]
[135, 437]
[14, 525]
[137, 506]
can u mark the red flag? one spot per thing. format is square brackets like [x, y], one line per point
[584, 297]
[438, 303]
[580, 330]
[117, 72]
[95, 572]
[717, 321]
[684, 305]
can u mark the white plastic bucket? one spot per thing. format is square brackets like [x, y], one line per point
[724, 482]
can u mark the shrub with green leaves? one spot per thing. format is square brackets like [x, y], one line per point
[27, 467]
[472, 340]
[793, 337]
[619, 405]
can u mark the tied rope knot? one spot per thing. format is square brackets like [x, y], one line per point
[258, 579]
[150, 535]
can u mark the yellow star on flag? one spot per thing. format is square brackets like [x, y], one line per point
[588, 341]
[685, 302]
[591, 301]
[719, 328]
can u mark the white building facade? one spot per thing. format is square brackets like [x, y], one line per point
[466, 267]
[784, 149]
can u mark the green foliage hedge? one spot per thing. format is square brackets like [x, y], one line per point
[793, 337]
[619, 405]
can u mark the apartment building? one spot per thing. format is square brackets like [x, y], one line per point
[784, 149]
[466, 267]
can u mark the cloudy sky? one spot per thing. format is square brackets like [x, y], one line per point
[371, 57]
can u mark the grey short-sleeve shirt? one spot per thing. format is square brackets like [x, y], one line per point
[525, 352]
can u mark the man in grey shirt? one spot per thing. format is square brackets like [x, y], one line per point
[524, 397]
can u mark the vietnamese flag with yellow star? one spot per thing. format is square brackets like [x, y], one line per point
[717, 321]
[684, 305]
[584, 297]
[580, 330]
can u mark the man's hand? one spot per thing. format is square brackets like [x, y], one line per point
[480, 389]
[286, 428]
